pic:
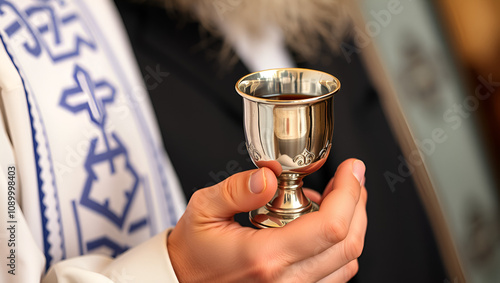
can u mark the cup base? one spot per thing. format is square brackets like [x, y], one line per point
[264, 218]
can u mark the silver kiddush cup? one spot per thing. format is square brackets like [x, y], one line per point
[288, 124]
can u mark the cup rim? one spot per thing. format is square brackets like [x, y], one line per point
[299, 101]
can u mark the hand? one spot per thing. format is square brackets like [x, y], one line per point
[207, 245]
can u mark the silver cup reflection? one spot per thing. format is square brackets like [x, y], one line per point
[289, 124]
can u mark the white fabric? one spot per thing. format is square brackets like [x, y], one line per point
[260, 51]
[79, 139]
[148, 262]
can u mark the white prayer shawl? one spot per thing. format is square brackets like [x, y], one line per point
[80, 150]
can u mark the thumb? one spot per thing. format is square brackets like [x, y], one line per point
[241, 192]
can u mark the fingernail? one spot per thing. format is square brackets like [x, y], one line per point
[363, 182]
[257, 182]
[358, 170]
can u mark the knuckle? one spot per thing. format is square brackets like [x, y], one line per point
[197, 199]
[351, 270]
[364, 195]
[226, 191]
[355, 192]
[264, 274]
[229, 191]
[353, 247]
[263, 266]
[263, 270]
[197, 204]
[336, 231]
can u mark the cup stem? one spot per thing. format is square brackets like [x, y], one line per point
[289, 197]
[288, 204]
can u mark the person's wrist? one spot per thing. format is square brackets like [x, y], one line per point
[176, 257]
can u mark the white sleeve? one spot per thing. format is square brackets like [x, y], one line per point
[148, 262]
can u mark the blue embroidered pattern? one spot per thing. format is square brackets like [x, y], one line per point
[38, 33]
[118, 218]
[60, 31]
[95, 105]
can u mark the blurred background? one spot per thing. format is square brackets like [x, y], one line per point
[473, 29]
[419, 105]
[434, 65]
